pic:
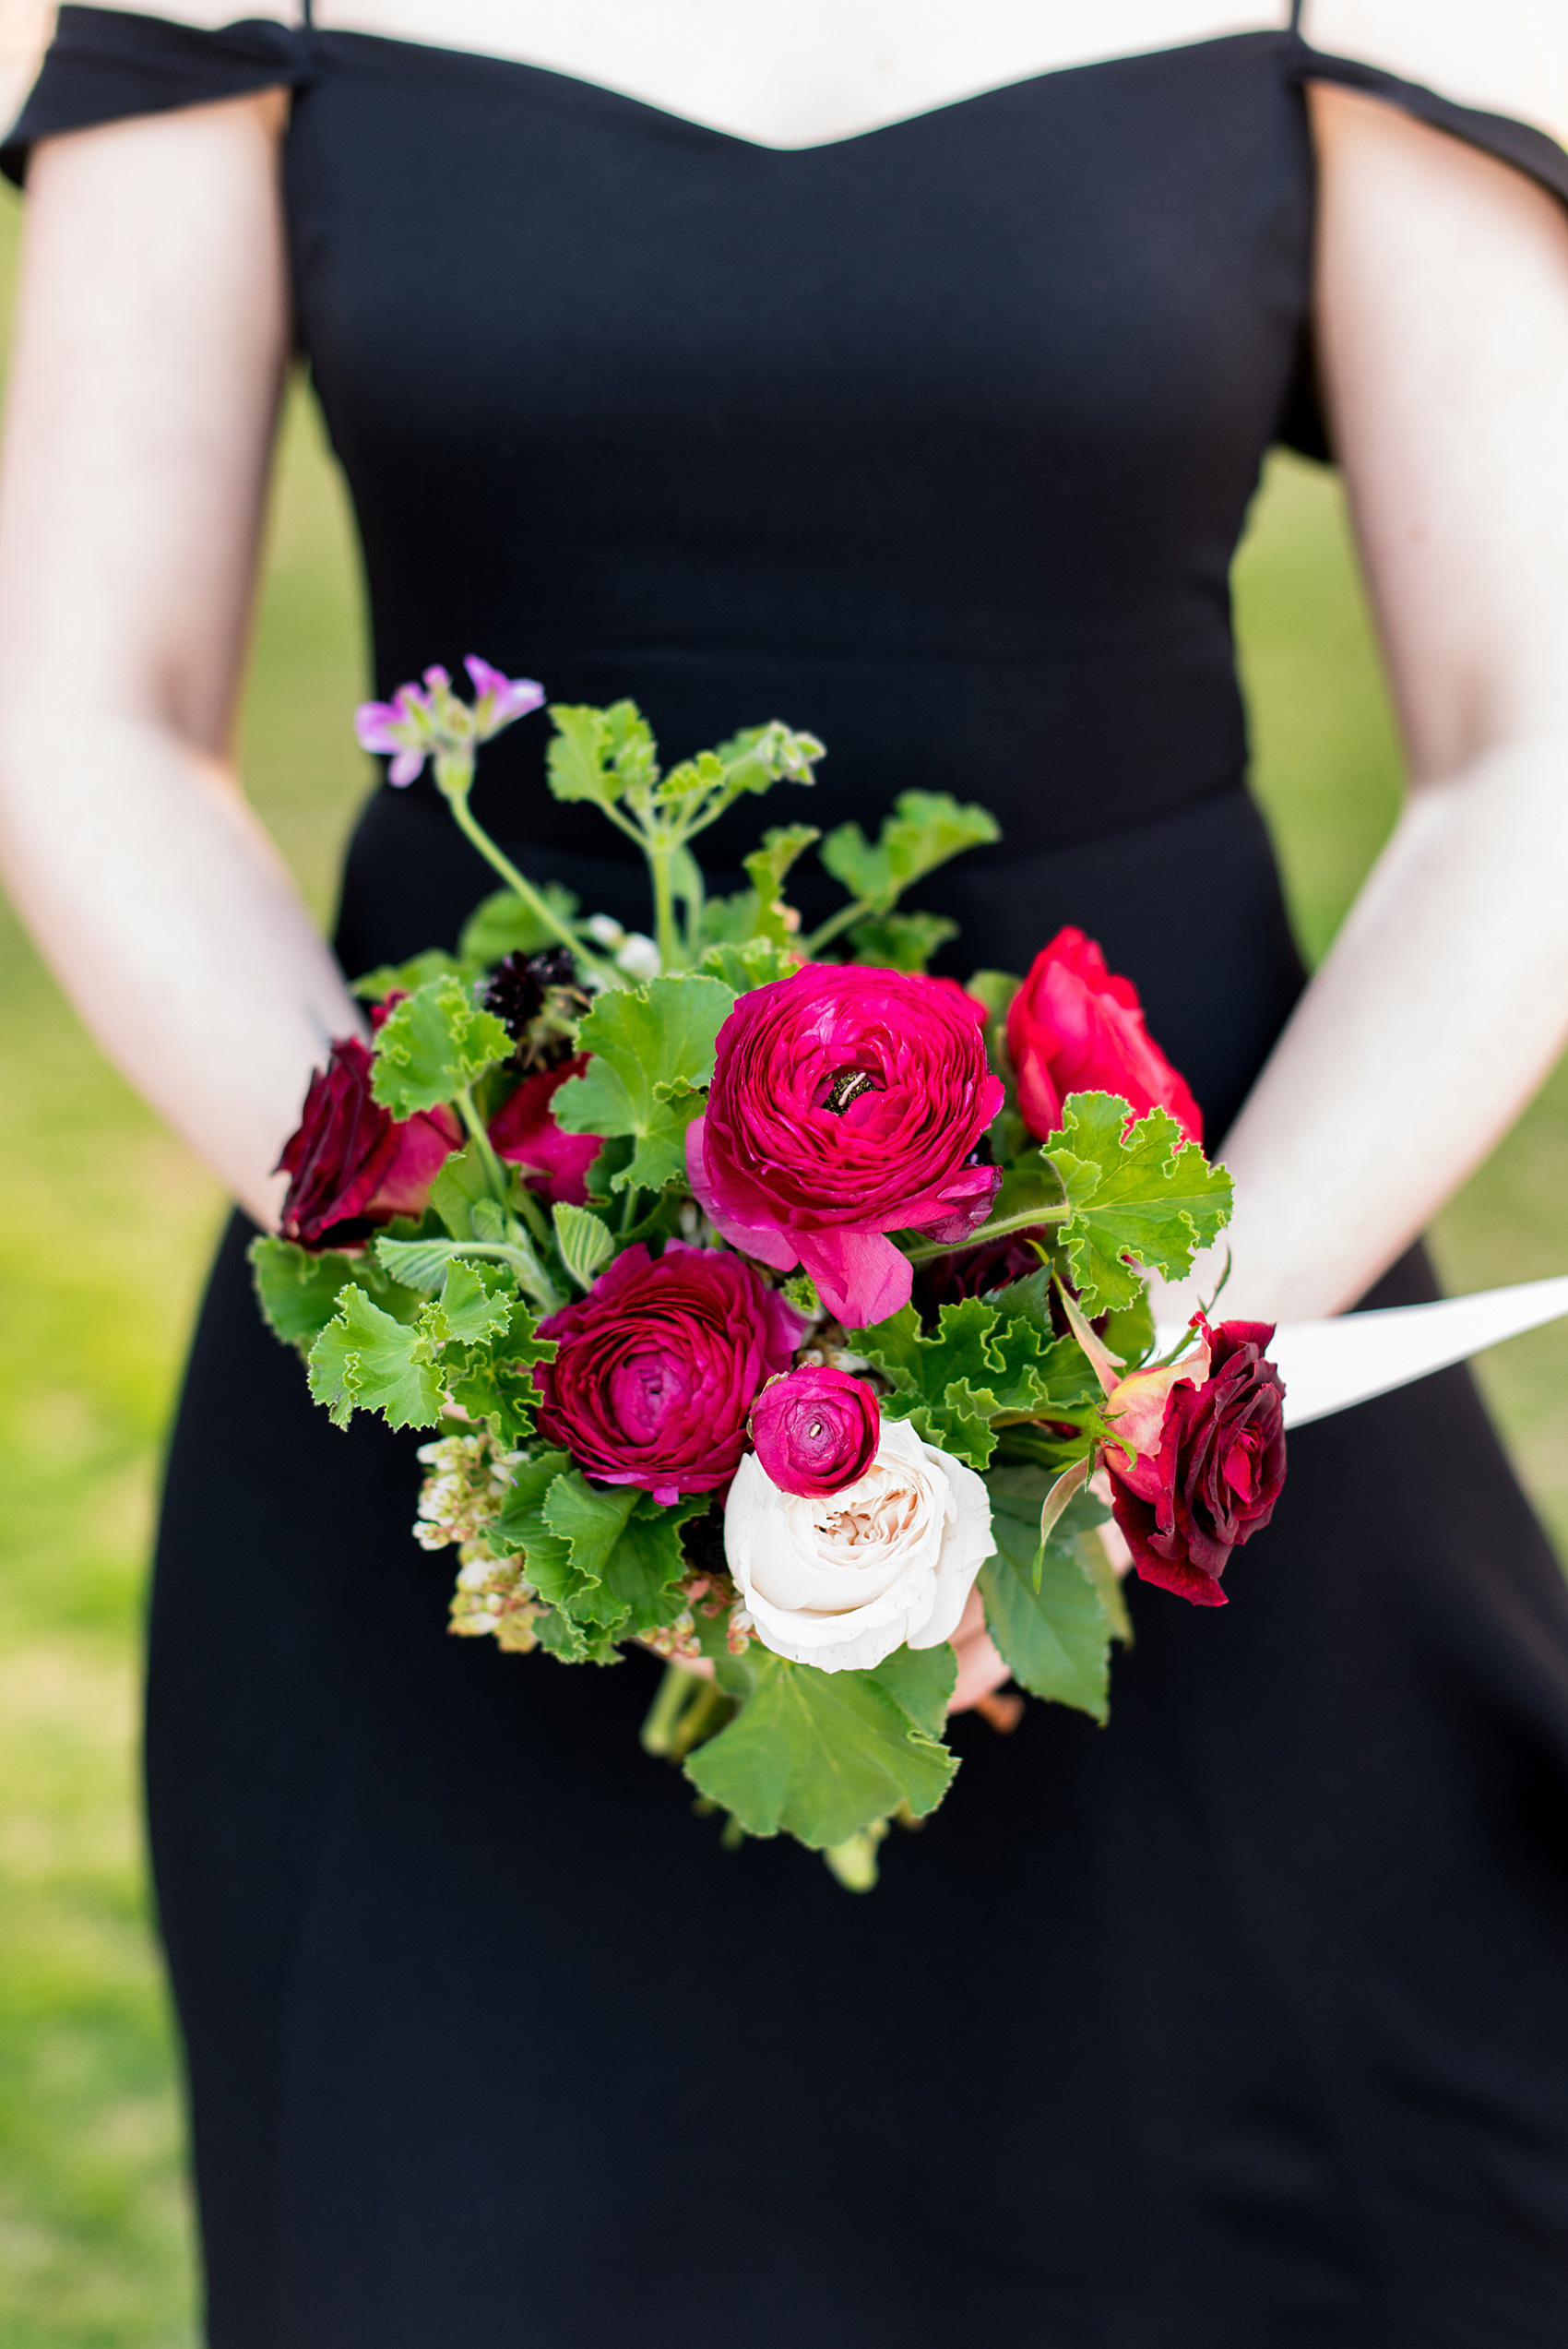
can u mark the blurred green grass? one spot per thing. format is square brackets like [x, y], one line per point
[104, 1228]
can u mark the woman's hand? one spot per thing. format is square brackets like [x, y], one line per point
[151, 334]
[1443, 330]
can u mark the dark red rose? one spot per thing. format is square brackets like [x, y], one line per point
[1206, 1470]
[659, 1364]
[1075, 1027]
[350, 1161]
[524, 1131]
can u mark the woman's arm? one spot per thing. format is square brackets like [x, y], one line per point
[150, 341]
[1442, 323]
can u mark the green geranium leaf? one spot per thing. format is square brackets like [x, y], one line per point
[418, 1264]
[653, 1050]
[977, 1362]
[755, 964]
[584, 1240]
[768, 867]
[1150, 1200]
[520, 1528]
[491, 1378]
[921, 1681]
[1053, 1634]
[900, 941]
[926, 828]
[818, 1755]
[476, 1304]
[601, 754]
[503, 925]
[435, 1043]
[394, 978]
[299, 1288]
[363, 1360]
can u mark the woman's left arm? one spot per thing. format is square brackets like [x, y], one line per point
[1441, 310]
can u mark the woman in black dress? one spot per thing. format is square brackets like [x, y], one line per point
[906, 377]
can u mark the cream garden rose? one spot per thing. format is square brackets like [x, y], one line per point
[842, 1579]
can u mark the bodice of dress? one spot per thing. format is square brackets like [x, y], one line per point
[937, 439]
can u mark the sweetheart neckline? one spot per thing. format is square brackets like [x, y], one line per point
[667, 116]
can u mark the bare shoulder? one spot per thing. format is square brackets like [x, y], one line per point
[1509, 59]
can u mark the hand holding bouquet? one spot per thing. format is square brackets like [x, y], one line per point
[768, 1305]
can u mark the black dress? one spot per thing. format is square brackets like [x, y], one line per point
[1243, 2023]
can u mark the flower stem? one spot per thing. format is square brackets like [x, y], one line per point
[856, 911]
[482, 1143]
[666, 936]
[658, 1735]
[469, 825]
[987, 1231]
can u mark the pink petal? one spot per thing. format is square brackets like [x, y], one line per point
[861, 1276]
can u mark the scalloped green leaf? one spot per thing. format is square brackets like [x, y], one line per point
[1144, 1198]
[818, 1755]
[436, 1044]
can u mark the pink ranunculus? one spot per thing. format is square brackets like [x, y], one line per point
[1075, 1027]
[350, 1161]
[658, 1366]
[524, 1132]
[816, 1429]
[847, 1102]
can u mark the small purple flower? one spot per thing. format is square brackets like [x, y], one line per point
[432, 723]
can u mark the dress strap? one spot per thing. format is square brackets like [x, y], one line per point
[1295, 14]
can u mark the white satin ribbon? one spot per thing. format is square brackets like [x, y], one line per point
[1328, 1366]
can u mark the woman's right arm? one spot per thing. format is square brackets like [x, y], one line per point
[151, 336]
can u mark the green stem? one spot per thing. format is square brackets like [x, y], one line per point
[666, 936]
[482, 1143]
[658, 1735]
[1003, 1224]
[469, 825]
[856, 911]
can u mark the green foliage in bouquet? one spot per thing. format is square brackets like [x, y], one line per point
[527, 1215]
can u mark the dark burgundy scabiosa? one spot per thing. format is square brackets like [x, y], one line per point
[816, 1430]
[658, 1366]
[975, 1272]
[847, 1102]
[1075, 1027]
[537, 999]
[524, 1132]
[350, 1161]
[1207, 1459]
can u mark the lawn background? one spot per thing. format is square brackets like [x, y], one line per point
[105, 1224]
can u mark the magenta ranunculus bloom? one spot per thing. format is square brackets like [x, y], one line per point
[658, 1366]
[524, 1131]
[847, 1102]
[816, 1430]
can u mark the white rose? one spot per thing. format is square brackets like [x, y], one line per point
[842, 1581]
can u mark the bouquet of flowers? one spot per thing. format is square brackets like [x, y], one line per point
[777, 1311]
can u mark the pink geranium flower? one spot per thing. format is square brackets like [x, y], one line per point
[847, 1102]
[420, 723]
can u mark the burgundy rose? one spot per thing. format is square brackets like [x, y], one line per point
[349, 1159]
[1207, 1460]
[1075, 1027]
[524, 1131]
[816, 1430]
[847, 1102]
[658, 1366]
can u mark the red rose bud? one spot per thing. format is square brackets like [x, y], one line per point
[658, 1366]
[524, 1132]
[816, 1430]
[846, 1104]
[1075, 1027]
[1206, 1440]
[350, 1161]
